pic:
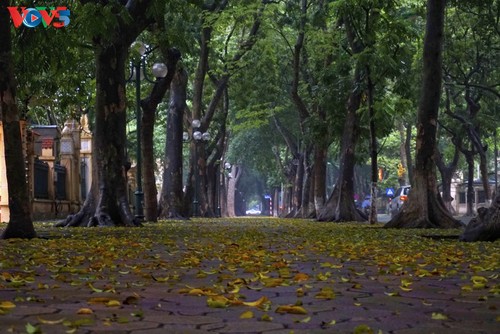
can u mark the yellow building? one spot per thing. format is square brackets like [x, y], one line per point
[4, 190]
[58, 168]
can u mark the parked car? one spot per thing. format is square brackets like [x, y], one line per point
[400, 197]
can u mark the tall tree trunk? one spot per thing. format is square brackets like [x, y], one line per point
[403, 179]
[340, 206]
[149, 106]
[447, 172]
[20, 224]
[320, 177]
[425, 208]
[231, 190]
[409, 158]
[171, 203]
[107, 203]
[372, 218]
[469, 157]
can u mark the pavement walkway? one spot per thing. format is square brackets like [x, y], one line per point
[249, 276]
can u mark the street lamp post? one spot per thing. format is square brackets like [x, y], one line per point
[138, 72]
[198, 136]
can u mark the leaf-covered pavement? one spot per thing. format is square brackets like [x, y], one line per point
[248, 275]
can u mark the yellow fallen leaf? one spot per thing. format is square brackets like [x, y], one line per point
[292, 309]
[325, 293]
[258, 302]
[303, 321]
[113, 303]
[266, 317]
[160, 279]
[466, 288]
[405, 289]
[246, 315]
[235, 289]
[272, 282]
[98, 300]
[479, 279]
[51, 322]
[7, 304]
[363, 329]
[406, 282]
[94, 288]
[328, 324]
[218, 302]
[392, 294]
[31, 329]
[85, 311]
[196, 292]
[439, 316]
[301, 277]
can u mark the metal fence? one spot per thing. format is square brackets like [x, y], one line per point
[41, 179]
[60, 181]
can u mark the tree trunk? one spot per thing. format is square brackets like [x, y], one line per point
[469, 157]
[403, 179]
[231, 190]
[372, 217]
[486, 226]
[340, 206]
[107, 203]
[110, 207]
[171, 203]
[20, 224]
[425, 208]
[148, 162]
[447, 172]
[149, 106]
[320, 179]
[409, 158]
[305, 209]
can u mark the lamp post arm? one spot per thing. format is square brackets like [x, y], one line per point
[161, 85]
[145, 72]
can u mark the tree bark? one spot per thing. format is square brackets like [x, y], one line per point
[486, 226]
[425, 208]
[171, 203]
[403, 179]
[372, 217]
[320, 179]
[340, 206]
[149, 106]
[107, 203]
[20, 224]
[231, 190]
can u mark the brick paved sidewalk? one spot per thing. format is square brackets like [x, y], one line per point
[185, 270]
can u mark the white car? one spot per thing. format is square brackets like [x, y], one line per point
[253, 212]
[400, 197]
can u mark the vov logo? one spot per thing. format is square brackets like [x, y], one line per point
[56, 17]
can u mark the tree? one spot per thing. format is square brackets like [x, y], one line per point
[171, 194]
[340, 205]
[238, 39]
[107, 203]
[425, 208]
[20, 224]
[149, 106]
